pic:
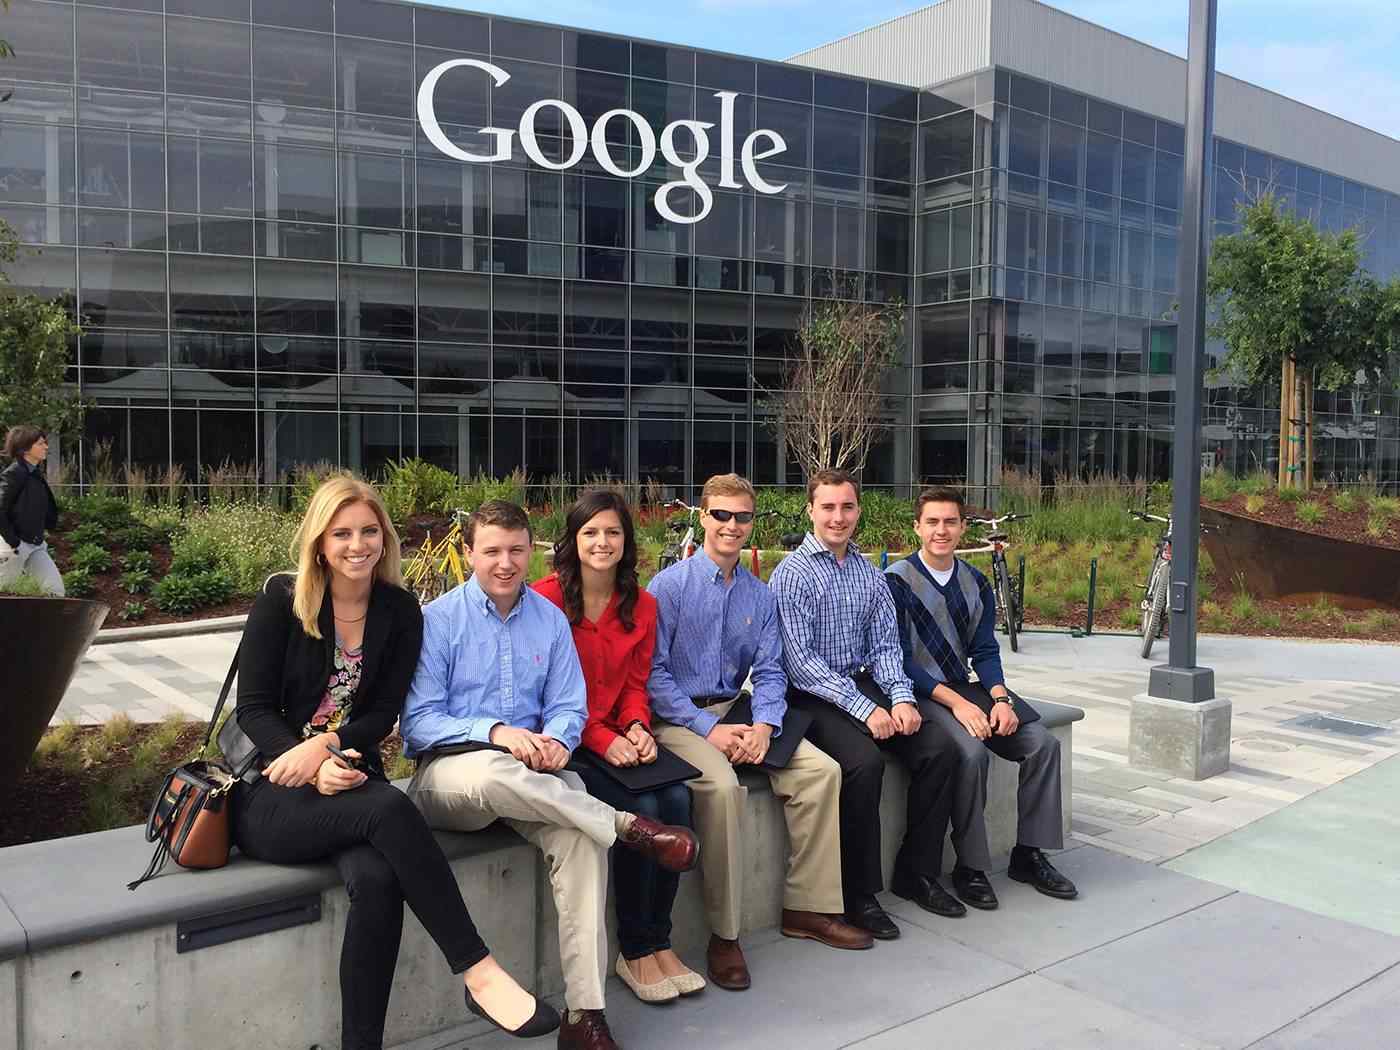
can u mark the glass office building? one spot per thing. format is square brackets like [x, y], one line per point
[274, 265]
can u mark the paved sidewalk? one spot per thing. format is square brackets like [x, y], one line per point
[1146, 958]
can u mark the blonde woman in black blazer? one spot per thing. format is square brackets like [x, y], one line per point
[327, 658]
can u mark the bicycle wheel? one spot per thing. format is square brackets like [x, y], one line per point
[666, 559]
[1006, 596]
[1156, 603]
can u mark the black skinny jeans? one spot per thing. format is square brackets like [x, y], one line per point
[643, 890]
[386, 855]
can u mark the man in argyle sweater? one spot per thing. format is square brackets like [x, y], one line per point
[946, 612]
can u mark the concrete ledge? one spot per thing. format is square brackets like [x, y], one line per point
[85, 962]
[213, 625]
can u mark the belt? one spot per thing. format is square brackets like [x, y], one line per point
[703, 702]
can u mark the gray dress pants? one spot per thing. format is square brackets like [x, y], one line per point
[1039, 817]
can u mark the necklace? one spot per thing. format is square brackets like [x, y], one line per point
[357, 619]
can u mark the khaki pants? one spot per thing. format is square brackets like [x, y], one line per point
[810, 790]
[572, 829]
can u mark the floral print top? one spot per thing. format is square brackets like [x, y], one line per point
[340, 693]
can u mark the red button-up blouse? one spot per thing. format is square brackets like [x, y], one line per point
[616, 664]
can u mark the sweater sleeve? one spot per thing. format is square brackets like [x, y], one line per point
[10, 484]
[261, 660]
[400, 660]
[985, 653]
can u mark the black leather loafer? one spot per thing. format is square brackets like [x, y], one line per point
[927, 894]
[873, 919]
[973, 889]
[1031, 866]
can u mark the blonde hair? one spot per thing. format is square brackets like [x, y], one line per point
[331, 497]
[727, 485]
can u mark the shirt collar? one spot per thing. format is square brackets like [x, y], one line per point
[813, 546]
[707, 568]
[476, 598]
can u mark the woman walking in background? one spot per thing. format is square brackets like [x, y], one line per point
[614, 628]
[27, 511]
[326, 661]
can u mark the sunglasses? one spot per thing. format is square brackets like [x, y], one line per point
[743, 517]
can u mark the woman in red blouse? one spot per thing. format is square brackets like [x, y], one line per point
[614, 626]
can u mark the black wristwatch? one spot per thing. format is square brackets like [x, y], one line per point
[1000, 700]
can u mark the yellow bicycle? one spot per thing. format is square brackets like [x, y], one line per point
[437, 566]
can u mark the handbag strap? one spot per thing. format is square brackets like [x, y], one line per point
[223, 697]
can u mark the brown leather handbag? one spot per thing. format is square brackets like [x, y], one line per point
[189, 819]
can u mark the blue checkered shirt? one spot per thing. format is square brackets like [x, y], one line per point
[838, 619]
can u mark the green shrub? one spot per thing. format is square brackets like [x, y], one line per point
[1077, 510]
[1218, 486]
[164, 521]
[92, 559]
[1377, 524]
[1345, 500]
[78, 583]
[132, 611]
[136, 581]
[138, 561]
[412, 487]
[1256, 484]
[1243, 607]
[110, 512]
[185, 594]
[1292, 495]
[1130, 616]
[138, 537]
[1378, 620]
[247, 542]
[1270, 621]
[1310, 513]
[1385, 506]
[1254, 503]
[23, 586]
[88, 532]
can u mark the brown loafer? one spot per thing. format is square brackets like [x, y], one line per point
[831, 930]
[585, 1030]
[673, 847]
[725, 962]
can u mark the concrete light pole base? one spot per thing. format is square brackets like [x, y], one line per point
[1190, 740]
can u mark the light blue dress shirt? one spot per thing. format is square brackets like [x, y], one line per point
[477, 671]
[709, 635]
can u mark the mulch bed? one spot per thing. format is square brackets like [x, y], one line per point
[1337, 524]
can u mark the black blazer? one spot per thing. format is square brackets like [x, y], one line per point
[283, 672]
[27, 506]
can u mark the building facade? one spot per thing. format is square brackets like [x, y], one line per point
[276, 261]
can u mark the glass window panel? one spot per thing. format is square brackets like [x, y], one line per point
[1064, 235]
[1101, 242]
[123, 349]
[1169, 180]
[37, 164]
[453, 307]
[1105, 118]
[210, 176]
[780, 229]
[1068, 106]
[594, 94]
[933, 236]
[1101, 167]
[659, 62]
[790, 82]
[1027, 93]
[837, 236]
[374, 77]
[1139, 128]
[838, 142]
[453, 197]
[304, 14]
[526, 312]
[293, 182]
[604, 213]
[206, 58]
[1133, 254]
[119, 169]
[372, 18]
[1066, 152]
[1137, 170]
[649, 229]
[723, 231]
[947, 145]
[120, 49]
[593, 51]
[211, 294]
[943, 334]
[721, 323]
[885, 100]
[291, 68]
[595, 315]
[1164, 260]
[840, 92]
[1027, 146]
[376, 302]
[891, 150]
[725, 73]
[48, 274]
[660, 320]
[890, 241]
[521, 40]
[296, 298]
[122, 289]
[42, 38]
[375, 190]
[775, 325]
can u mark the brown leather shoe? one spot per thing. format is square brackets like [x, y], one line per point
[673, 847]
[725, 962]
[831, 930]
[589, 1032]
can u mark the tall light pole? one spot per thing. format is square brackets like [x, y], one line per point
[1180, 725]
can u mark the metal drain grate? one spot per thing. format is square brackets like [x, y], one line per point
[1333, 724]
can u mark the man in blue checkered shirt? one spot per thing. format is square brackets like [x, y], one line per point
[947, 619]
[845, 667]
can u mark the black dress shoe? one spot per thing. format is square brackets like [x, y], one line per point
[873, 919]
[1031, 866]
[972, 888]
[544, 1020]
[927, 894]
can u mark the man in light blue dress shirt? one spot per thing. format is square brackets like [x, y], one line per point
[715, 624]
[499, 687]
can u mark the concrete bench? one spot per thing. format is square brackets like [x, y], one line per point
[85, 962]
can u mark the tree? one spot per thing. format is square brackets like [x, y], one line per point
[1294, 307]
[34, 337]
[831, 407]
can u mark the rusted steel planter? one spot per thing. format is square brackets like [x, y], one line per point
[44, 638]
[1292, 565]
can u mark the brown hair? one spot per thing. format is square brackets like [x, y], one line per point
[591, 503]
[499, 512]
[19, 439]
[831, 476]
[330, 497]
[940, 494]
[727, 485]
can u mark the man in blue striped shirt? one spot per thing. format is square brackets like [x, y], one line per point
[717, 624]
[845, 667]
[947, 619]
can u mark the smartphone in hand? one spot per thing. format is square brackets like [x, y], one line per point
[353, 763]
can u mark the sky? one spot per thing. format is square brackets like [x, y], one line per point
[1337, 55]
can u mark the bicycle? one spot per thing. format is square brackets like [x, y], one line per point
[436, 568]
[682, 544]
[1154, 593]
[1006, 587]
